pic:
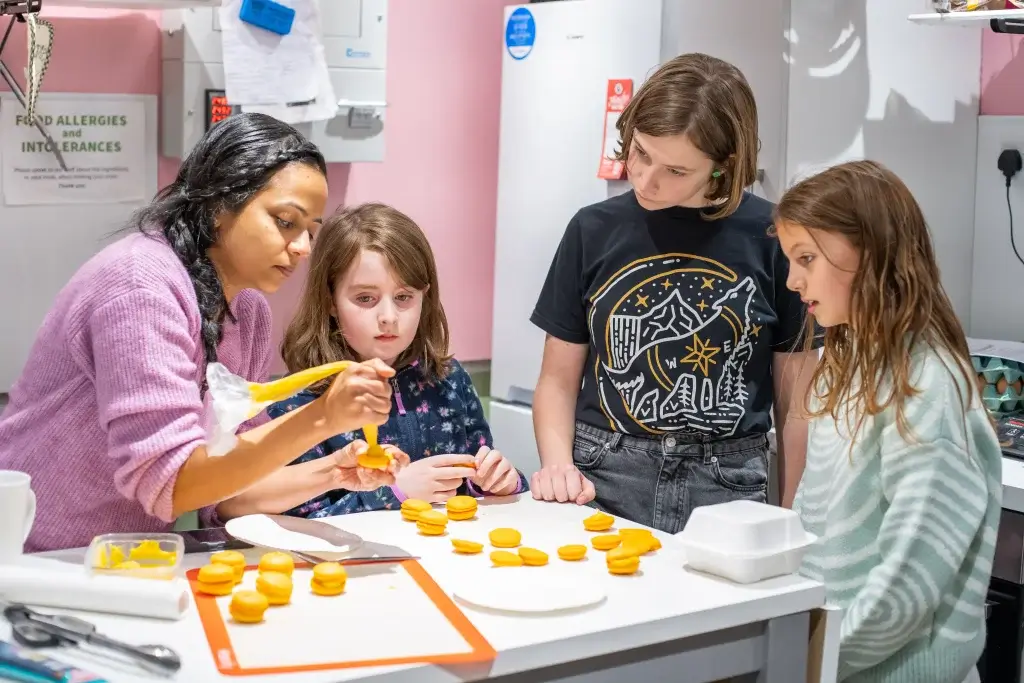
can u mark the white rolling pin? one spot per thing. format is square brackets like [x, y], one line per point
[38, 585]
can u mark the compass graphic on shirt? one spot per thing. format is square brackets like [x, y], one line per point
[675, 345]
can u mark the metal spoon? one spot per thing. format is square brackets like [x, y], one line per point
[158, 659]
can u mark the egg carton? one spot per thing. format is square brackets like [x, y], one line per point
[1001, 383]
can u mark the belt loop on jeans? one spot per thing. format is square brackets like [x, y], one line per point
[708, 449]
[613, 443]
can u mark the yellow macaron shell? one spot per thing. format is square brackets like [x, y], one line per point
[505, 538]
[461, 507]
[233, 559]
[503, 558]
[279, 562]
[329, 578]
[374, 460]
[431, 523]
[533, 557]
[622, 552]
[276, 586]
[599, 521]
[572, 552]
[216, 579]
[605, 542]
[464, 547]
[248, 607]
[412, 507]
[639, 538]
[627, 565]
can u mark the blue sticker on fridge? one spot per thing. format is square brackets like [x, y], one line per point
[520, 33]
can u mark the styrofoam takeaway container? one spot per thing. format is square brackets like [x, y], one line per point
[744, 541]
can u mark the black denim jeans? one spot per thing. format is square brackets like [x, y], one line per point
[659, 481]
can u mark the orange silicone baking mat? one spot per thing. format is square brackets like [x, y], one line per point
[391, 613]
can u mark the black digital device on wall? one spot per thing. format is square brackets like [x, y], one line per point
[217, 107]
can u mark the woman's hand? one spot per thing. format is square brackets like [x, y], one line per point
[346, 473]
[495, 474]
[358, 396]
[435, 478]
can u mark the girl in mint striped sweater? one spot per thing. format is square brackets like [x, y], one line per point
[903, 477]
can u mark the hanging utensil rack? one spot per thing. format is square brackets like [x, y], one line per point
[16, 10]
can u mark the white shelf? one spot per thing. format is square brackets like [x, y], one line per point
[976, 18]
[132, 4]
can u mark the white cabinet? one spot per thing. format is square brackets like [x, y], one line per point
[355, 46]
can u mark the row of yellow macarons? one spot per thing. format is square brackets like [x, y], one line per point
[628, 544]
[623, 550]
[273, 585]
[431, 522]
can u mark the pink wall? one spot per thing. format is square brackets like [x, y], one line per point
[444, 71]
[1002, 74]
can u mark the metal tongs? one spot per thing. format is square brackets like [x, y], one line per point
[33, 629]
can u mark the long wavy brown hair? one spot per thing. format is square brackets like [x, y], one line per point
[314, 338]
[710, 101]
[897, 299]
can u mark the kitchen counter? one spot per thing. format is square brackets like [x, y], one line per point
[665, 623]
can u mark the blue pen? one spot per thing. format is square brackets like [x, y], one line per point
[28, 666]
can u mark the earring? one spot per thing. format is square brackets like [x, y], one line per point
[716, 174]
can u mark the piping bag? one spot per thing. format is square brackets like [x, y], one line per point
[235, 400]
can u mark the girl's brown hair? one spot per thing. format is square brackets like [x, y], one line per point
[897, 299]
[709, 101]
[313, 338]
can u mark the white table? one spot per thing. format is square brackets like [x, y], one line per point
[668, 624]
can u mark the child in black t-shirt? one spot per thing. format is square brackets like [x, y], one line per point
[672, 339]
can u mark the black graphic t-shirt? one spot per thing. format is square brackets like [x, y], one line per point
[682, 316]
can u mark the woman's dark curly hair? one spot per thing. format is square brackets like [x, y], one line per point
[223, 172]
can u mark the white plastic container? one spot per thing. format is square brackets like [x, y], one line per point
[744, 541]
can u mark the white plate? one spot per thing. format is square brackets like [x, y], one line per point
[509, 589]
[267, 531]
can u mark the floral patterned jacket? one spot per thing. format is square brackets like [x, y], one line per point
[427, 418]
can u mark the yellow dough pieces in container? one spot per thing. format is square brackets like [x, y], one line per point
[504, 558]
[276, 561]
[432, 523]
[233, 559]
[248, 607]
[505, 538]
[235, 400]
[216, 579]
[463, 547]
[276, 586]
[572, 552]
[599, 521]
[145, 556]
[412, 507]
[461, 508]
[329, 578]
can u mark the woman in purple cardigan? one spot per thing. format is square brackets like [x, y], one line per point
[109, 415]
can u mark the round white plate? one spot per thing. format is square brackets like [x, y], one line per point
[285, 533]
[509, 589]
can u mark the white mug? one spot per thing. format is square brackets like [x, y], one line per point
[17, 513]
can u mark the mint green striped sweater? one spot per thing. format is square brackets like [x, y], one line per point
[906, 531]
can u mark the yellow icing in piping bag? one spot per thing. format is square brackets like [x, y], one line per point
[235, 400]
[286, 387]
